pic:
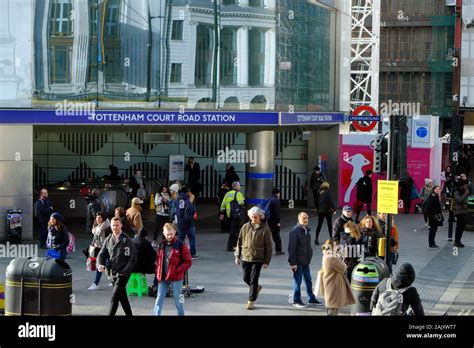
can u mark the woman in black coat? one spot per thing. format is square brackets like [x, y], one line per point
[326, 209]
[435, 215]
[405, 192]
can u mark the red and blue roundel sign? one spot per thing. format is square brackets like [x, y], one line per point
[364, 123]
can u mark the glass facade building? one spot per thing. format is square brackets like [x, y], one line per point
[164, 54]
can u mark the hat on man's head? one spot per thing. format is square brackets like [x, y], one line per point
[347, 208]
[137, 200]
[174, 188]
[275, 191]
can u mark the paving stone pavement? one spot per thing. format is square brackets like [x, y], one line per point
[439, 272]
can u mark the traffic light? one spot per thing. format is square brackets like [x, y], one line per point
[380, 154]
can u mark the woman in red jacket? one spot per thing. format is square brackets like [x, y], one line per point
[173, 260]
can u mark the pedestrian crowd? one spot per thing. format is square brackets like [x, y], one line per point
[121, 246]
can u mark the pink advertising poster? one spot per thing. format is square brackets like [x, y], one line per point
[356, 159]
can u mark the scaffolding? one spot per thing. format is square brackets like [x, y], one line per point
[365, 33]
[303, 56]
[416, 54]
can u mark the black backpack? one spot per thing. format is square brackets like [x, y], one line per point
[185, 214]
[235, 208]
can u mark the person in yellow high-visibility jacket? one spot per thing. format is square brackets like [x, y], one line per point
[233, 207]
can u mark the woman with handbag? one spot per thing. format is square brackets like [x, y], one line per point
[58, 237]
[424, 195]
[100, 230]
[371, 232]
[334, 285]
[435, 215]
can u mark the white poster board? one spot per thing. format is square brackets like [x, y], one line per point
[176, 168]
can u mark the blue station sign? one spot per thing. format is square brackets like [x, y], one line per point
[115, 117]
[309, 118]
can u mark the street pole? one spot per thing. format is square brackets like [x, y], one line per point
[457, 119]
[148, 63]
[216, 53]
[390, 166]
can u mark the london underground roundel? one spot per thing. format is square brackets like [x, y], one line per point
[362, 125]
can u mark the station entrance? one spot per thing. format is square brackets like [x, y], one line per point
[67, 159]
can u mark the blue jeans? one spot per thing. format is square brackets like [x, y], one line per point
[98, 275]
[178, 298]
[191, 233]
[300, 273]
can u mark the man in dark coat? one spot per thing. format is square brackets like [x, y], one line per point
[94, 205]
[460, 210]
[274, 220]
[119, 256]
[224, 223]
[136, 183]
[194, 176]
[317, 178]
[43, 210]
[299, 257]
[338, 225]
[230, 174]
[402, 279]
[406, 187]
[364, 194]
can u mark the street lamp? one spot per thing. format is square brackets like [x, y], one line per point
[150, 48]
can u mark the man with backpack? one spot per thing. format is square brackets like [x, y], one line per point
[42, 211]
[185, 211]
[393, 296]
[272, 215]
[233, 207]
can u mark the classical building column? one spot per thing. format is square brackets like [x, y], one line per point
[270, 57]
[192, 49]
[243, 56]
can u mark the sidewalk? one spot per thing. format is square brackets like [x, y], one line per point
[445, 280]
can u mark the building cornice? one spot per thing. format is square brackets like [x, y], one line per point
[233, 14]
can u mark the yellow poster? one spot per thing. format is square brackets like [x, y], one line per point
[387, 196]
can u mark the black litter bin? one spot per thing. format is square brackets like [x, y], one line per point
[14, 227]
[470, 214]
[365, 277]
[37, 286]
